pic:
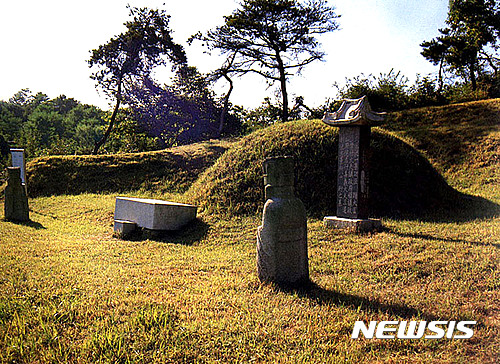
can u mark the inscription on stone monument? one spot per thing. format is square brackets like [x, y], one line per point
[352, 181]
[18, 161]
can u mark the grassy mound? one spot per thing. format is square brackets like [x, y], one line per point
[402, 182]
[462, 141]
[170, 170]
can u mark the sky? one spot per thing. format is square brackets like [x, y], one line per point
[45, 45]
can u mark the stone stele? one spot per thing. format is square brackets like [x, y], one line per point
[282, 237]
[354, 120]
[16, 201]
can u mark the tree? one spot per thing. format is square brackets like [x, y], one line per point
[225, 72]
[42, 130]
[131, 56]
[182, 113]
[469, 44]
[272, 38]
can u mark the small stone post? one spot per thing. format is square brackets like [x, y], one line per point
[16, 201]
[282, 237]
[354, 119]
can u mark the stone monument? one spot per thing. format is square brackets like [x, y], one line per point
[18, 160]
[282, 237]
[354, 120]
[16, 201]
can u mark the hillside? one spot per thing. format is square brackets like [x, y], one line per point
[169, 170]
[72, 292]
[462, 141]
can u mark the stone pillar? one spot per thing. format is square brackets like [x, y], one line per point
[282, 237]
[16, 201]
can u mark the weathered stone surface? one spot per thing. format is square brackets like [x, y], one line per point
[354, 112]
[352, 225]
[124, 228]
[16, 202]
[282, 237]
[154, 214]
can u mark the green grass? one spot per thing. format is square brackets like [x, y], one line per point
[70, 292]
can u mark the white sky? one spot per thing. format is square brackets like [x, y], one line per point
[45, 44]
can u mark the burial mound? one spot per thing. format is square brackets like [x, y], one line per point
[402, 181]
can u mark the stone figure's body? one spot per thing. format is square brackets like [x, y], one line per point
[16, 201]
[282, 237]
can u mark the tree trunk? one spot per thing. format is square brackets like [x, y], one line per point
[440, 75]
[105, 137]
[281, 68]
[225, 106]
[472, 76]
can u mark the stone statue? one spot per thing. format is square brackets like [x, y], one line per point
[16, 201]
[282, 237]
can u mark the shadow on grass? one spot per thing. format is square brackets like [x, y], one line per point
[459, 208]
[437, 238]
[32, 224]
[190, 234]
[322, 296]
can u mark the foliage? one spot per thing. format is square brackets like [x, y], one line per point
[393, 92]
[388, 91]
[269, 112]
[50, 126]
[130, 57]
[273, 38]
[11, 119]
[42, 129]
[63, 126]
[185, 112]
[266, 114]
[129, 137]
[468, 46]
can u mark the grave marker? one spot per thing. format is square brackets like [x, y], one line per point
[151, 214]
[282, 237]
[16, 202]
[354, 120]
